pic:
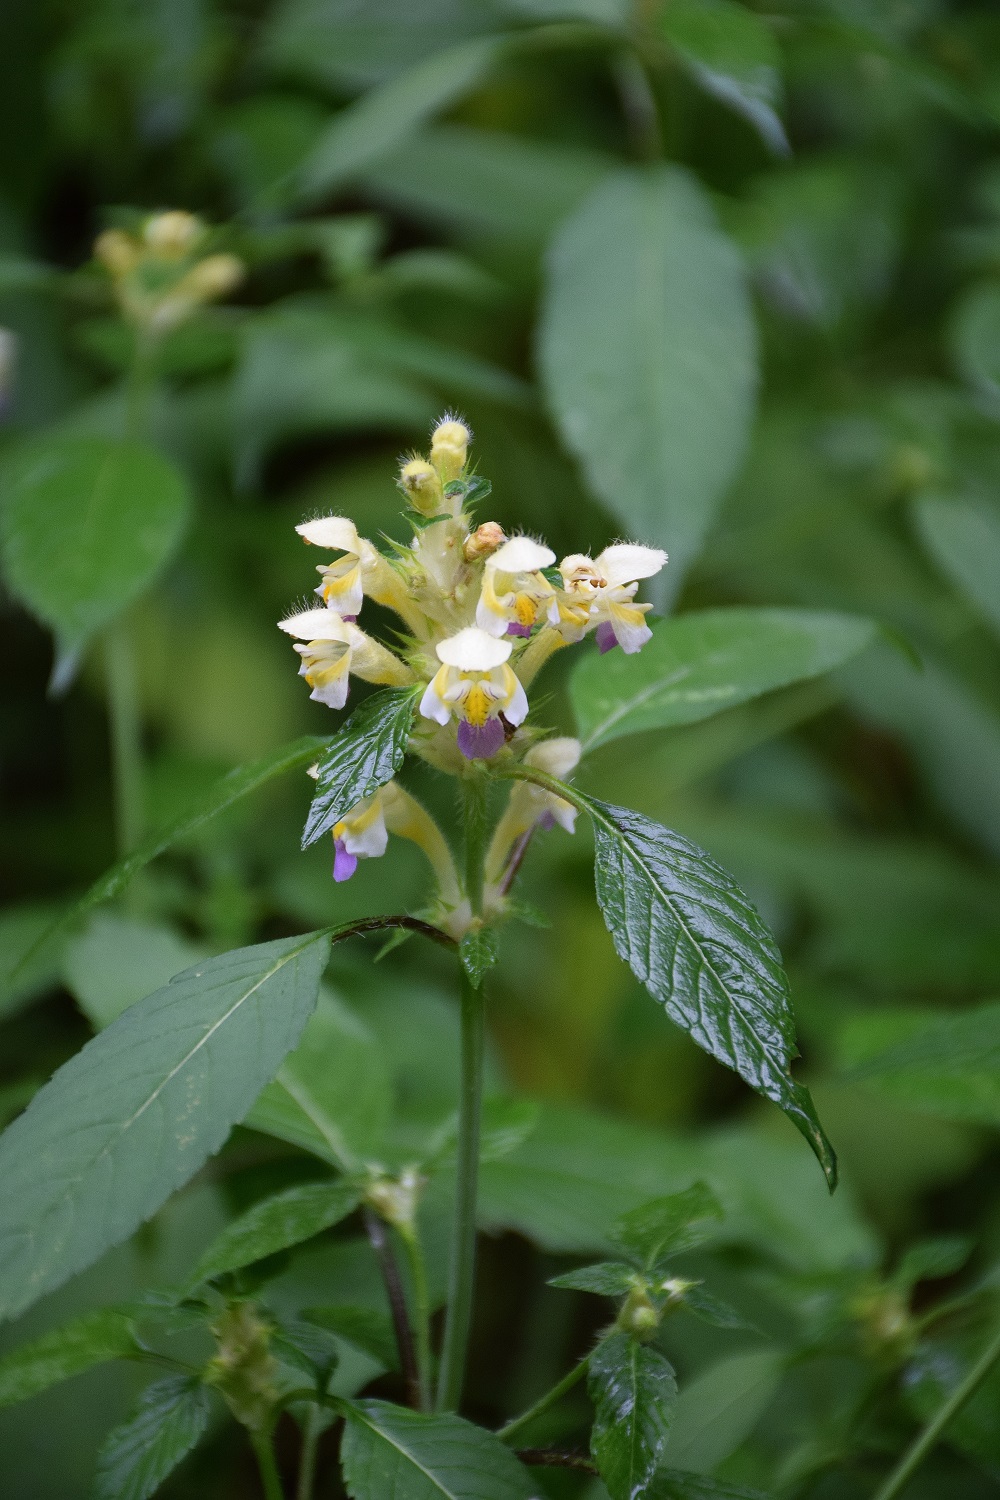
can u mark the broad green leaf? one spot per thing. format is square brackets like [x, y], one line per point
[719, 1408]
[731, 54]
[648, 354]
[692, 937]
[478, 952]
[118, 960]
[633, 1388]
[504, 1125]
[678, 1484]
[89, 1340]
[277, 1223]
[86, 524]
[365, 1328]
[609, 1278]
[667, 1226]
[391, 1453]
[698, 664]
[387, 116]
[231, 788]
[963, 537]
[362, 756]
[134, 1115]
[136, 1458]
[332, 1096]
[947, 1064]
[21, 929]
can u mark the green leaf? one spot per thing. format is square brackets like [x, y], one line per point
[974, 336]
[608, 1278]
[719, 1408]
[692, 937]
[648, 354]
[670, 1225]
[930, 1260]
[478, 951]
[390, 1453]
[387, 116]
[698, 664]
[711, 1309]
[277, 1223]
[362, 756]
[231, 788]
[679, 1484]
[633, 1389]
[90, 1340]
[963, 537]
[118, 960]
[364, 1328]
[333, 1095]
[136, 1458]
[948, 1066]
[307, 1347]
[134, 1115]
[86, 524]
[731, 54]
[22, 928]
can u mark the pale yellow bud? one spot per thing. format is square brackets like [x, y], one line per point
[214, 276]
[173, 234]
[422, 486]
[484, 540]
[449, 448]
[117, 250]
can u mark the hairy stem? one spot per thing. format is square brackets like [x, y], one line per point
[379, 1237]
[126, 737]
[925, 1441]
[421, 1313]
[310, 1445]
[511, 1429]
[263, 1447]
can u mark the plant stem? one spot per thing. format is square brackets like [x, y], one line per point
[310, 1443]
[379, 1237]
[263, 1446]
[924, 1442]
[517, 1424]
[474, 813]
[126, 737]
[421, 1312]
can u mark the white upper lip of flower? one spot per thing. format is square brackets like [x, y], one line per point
[473, 650]
[317, 625]
[335, 532]
[522, 554]
[620, 564]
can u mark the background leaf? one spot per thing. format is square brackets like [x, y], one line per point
[669, 1225]
[648, 354]
[633, 1388]
[719, 1408]
[135, 1114]
[391, 1453]
[89, 1340]
[947, 1065]
[731, 54]
[276, 1223]
[963, 537]
[362, 756]
[137, 1457]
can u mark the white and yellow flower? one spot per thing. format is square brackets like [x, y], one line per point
[360, 834]
[476, 685]
[359, 571]
[334, 648]
[600, 593]
[530, 807]
[514, 588]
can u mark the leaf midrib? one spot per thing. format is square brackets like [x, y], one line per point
[394, 1443]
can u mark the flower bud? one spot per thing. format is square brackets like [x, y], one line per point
[421, 485]
[449, 448]
[484, 540]
[173, 234]
[638, 1315]
[214, 276]
[395, 1199]
[117, 251]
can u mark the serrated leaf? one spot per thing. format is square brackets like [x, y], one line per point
[277, 1223]
[364, 1328]
[134, 1115]
[701, 663]
[731, 54]
[136, 1458]
[648, 354]
[692, 937]
[719, 1408]
[608, 1278]
[90, 1340]
[86, 524]
[391, 1453]
[633, 1389]
[963, 536]
[362, 756]
[669, 1225]
[478, 951]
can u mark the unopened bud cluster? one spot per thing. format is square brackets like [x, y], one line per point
[162, 274]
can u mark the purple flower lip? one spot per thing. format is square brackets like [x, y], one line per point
[349, 619]
[515, 629]
[605, 637]
[480, 741]
[344, 864]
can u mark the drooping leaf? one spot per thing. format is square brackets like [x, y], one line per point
[667, 1226]
[135, 1114]
[609, 1278]
[648, 354]
[92, 1339]
[86, 523]
[478, 952]
[391, 1453]
[365, 1328]
[362, 756]
[963, 536]
[731, 54]
[719, 1408]
[698, 664]
[136, 1458]
[946, 1064]
[692, 937]
[387, 116]
[633, 1390]
[277, 1223]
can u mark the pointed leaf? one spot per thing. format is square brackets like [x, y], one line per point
[86, 524]
[136, 1458]
[633, 1389]
[308, 1347]
[90, 1340]
[711, 1309]
[669, 1225]
[608, 1278]
[700, 663]
[648, 354]
[731, 54]
[277, 1223]
[478, 952]
[390, 1453]
[692, 937]
[362, 756]
[134, 1115]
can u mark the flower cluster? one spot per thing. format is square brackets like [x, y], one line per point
[162, 275]
[480, 614]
